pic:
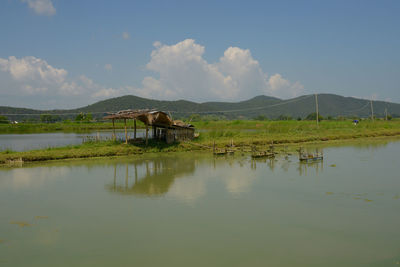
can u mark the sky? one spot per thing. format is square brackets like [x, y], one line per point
[72, 53]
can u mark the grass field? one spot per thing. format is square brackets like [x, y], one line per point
[242, 133]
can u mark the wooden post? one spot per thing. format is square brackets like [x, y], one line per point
[386, 116]
[316, 108]
[154, 132]
[147, 134]
[114, 137]
[134, 128]
[372, 111]
[126, 133]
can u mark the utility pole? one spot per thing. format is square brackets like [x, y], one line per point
[316, 108]
[372, 111]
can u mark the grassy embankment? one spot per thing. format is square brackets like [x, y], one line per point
[243, 133]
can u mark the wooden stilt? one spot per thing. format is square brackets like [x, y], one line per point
[134, 128]
[114, 137]
[147, 134]
[126, 133]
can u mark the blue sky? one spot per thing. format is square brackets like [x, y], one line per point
[63, 54]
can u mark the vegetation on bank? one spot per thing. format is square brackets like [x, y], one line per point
[242, 133]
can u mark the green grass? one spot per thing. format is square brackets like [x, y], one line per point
[242, 133]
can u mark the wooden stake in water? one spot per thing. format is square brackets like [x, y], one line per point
[126, 133]
[134, 125]
[114, 137]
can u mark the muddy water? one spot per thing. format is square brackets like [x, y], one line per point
[197, 210]
[24, 142]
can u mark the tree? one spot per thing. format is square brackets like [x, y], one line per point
[313, 117]
[84, 117]
[47, 118]
[80, 117]
[88, 117]
[285, 118]
[261, 118]
[4, 120]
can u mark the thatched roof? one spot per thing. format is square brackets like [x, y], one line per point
[149, 117]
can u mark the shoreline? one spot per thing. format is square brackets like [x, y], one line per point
[109, 149]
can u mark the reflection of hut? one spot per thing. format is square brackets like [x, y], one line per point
[152, 177]
[164, 128]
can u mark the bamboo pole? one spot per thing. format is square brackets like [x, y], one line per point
[134, 131]
[126, 133]
[147, 134]
[114, 137]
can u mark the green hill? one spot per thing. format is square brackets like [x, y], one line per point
[270, 107]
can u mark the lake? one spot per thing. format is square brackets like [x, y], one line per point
[193, 209]
[24, 142]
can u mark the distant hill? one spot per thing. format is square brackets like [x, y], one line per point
[270, 107]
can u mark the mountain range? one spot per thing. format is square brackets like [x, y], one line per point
[270, 107]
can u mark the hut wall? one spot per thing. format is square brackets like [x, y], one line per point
[170, 137]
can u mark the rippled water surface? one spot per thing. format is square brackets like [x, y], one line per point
[196, 210]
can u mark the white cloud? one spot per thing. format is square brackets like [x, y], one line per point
[126, 35]
[41, 7]
[31, 68]
[181, 72]
[108, 67]
[107, 93]
[184, 73]
[33, 75]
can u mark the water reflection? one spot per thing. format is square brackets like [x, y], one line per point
[150, 177]
[187, 177]
[270, 162]
[305, 168]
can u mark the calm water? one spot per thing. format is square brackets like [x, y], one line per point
[197, 210]
[23, 142]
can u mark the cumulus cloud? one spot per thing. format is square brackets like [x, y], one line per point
[126, 35]
[181, 72]
[41, 7]
[184, 73]
[34, 76]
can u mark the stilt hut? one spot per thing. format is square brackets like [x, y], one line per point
[163, 127]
